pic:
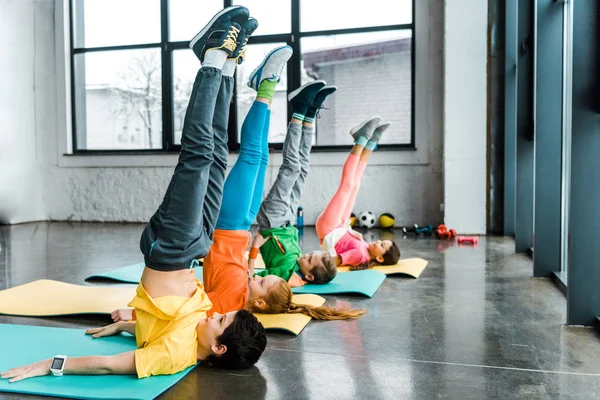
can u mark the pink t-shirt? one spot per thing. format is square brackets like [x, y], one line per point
[353, 250]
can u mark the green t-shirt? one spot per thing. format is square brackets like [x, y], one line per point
[281, 252]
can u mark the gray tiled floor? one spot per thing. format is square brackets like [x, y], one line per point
[475, 325]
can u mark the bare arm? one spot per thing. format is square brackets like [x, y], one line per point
[128, 327]
[251, 262]
[258, 241]
[119, 364]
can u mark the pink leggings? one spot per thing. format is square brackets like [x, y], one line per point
[340, 206]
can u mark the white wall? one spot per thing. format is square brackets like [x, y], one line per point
[26, 98]
[128, 188]
[465, 115]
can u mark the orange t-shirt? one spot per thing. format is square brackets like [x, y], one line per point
[225, 271]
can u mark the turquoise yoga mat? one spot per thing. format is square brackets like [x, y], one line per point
[365, 282]
[130, 274]
[26, 344]
[360, 282]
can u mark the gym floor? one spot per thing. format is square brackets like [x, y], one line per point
[475, 325]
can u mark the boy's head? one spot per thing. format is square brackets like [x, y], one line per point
[317, 267]
[385, 252]
[234, 340]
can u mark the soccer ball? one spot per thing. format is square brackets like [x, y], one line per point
[366, 219]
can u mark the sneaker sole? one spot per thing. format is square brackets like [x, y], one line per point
[329, 87]
[362, 125]
[301, 88]
[262, 64]
[210, 23]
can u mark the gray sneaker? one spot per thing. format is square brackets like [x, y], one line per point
[366, 127]
[382, 127]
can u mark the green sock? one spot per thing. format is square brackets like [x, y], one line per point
[362, 141]
[266, 89]
[371, 144]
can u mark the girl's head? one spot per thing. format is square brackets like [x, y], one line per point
[317, 267]
[260, 287]
[278, 300]
[384, 252]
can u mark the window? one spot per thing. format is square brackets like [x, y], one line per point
[132, 71]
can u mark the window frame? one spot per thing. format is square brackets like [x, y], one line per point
[167, 48]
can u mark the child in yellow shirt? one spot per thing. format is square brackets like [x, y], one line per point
[172, 329]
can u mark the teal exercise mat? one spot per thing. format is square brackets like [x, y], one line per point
[130, 274]
[26, 344]
[360, 282]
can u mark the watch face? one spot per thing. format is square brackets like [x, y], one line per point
[57, 363]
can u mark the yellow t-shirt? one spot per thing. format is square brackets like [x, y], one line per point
[165, 331]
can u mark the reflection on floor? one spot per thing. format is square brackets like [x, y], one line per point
[475, 325]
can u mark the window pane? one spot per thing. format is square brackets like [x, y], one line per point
[115, 22]
[273, 17]
[245, 96]
[185, 68]
[118, 100]
[317, 15]
[373, 74]
[188, 17]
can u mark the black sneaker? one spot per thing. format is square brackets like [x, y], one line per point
[221, 32]
[301, 98]
[317, 103]
[247, 29]
[322, 95]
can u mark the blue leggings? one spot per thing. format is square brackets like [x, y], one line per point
[243, 190]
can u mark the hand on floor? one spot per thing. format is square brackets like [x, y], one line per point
[109, 330]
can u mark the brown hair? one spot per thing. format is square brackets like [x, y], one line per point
[279, 301]
[325, 273]
[390, 257]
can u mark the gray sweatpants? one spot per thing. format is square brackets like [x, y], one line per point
[182, 228]
[279, 207]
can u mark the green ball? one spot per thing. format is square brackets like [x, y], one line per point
[386, 220]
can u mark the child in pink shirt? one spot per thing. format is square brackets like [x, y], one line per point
[345, 245]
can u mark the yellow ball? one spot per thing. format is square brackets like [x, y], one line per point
[352, 220]
[386, 220]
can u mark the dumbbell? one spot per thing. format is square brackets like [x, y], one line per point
[443, 233]
[467, 239]
[407, 229]
[426, 230]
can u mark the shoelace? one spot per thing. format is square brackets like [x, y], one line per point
[319, 111]
[274, 75]
[232, 35]
[242, 54]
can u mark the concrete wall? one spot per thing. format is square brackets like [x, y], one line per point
[27, 97]
[128, 188]
[465, 115]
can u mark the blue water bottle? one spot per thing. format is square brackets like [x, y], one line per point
[300, 218]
